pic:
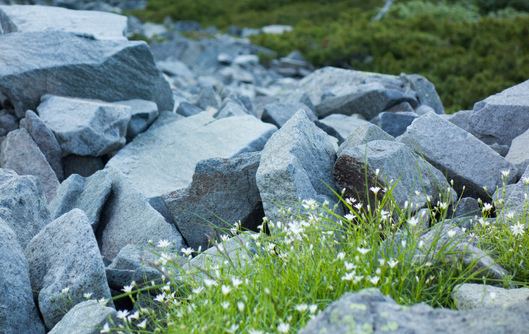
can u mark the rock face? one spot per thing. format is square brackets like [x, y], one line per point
[88, 194]
[65, 255]
[22, 205]
[465, 159]
[46, 141]
[85, 127]
[85, 318]
[128, 218]
[44, 18]
[64, 64]
[372, 312]
[164, 157]
[518, 154]
[279, 113]
[18, 313]
[20, 153]
[470, 296]
[142, 114]
[296, 163]
[222, 193]
[394, 161]
[502, 117]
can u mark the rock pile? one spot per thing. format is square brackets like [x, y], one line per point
[108, 146]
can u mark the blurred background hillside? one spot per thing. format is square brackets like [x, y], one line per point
[469, 49]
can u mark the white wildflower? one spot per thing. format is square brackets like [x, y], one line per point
[224, 237]
[349, 265]
[127, 288]
[302, 307]
[159, 298]
[348, 276]
[413, 221]
[375, 190]
[363, 251]
[349, 217]
[187, 251]
[350, 200]
[240, 306]
[225, 289]
[283, 328]
[142, 324]
[65, 290]
[525, 180]
[232, 329]
[87, 295]
[486, 207]
[122, 314]
[163, 244]
[198, 290]
[106, 329]
[505, 173]
[313, 308]
[451, 233]
[340, 256]
[517, 229]
[225, 305]
[392, 263]
[236, 282]
[374, 280]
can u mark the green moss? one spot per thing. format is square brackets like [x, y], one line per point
[360, 307]
[390, 326]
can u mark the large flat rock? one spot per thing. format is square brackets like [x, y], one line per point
[97, 25]
[65, 64]
[163, 158]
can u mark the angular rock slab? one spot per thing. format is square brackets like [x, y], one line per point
[502, 117]
[396, 123]
[23, 205]
[20, 153]
[88, 194]
[128, 218]
[369, 311]
[296, 163]
[164, 157]
[223, 192]
[85, 127]
[64, 64]
[279, 113]
[364, 133]
[343, 124]
[465, 159]
[426, 93]
[90, 24]
[18, 313]
[143, 113]
[46, 141]
[518, 153]
[395, 161]
[367, 100]
[65, 255]
[470, 296]
[87, 317]
[515, 197]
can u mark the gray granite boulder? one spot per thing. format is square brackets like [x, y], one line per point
[470, 296]
[89, 24]
[394, 161]
[142, 114]
[88, 194]
[87, 317]
[18, 313]
[63, 255]
[8, 122]
[222, 193]
[46, 141]
[369, 311]
[458, 247]
[163, 158]
[85, 127]
[466, 207]
[518, 153]
[364, 133]
[279, 113]
[128, 218]
[129, 259]
[465, 159]
[296, 163]
[64, 64]
[23, 205]
[343, 124]
[367, 100]
[502, 117]
[20, 153]
[297, 96]
[187, 109]
[208, 98]
[513, 197]
[396, 123]
[230, 109]
[426, 93]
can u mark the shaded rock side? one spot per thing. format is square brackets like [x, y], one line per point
[18, 313]
[88, 194]
[87, 317]
[20, 153]
[223, 192]
[128, 218]
[65, 255]
[369, 311]
[470, 296]
[394, 161]
[22, 205]
[465, 159]
[64, 64]
[296, 163]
